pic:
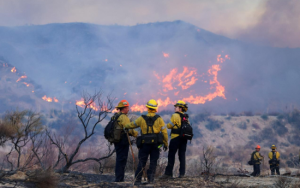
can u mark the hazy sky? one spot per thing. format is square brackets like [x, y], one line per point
[267, 22]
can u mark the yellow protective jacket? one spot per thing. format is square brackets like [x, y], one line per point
[124, 120]
[159, 126]
[257, 157]
[175, 123]
[271, 155]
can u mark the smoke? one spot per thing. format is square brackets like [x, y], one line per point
[278, 26]
[131, 62]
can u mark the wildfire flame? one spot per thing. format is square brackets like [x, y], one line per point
[13, 70]
[55, 99]
[22, 77]
[165, 54]
[185, 79]
[49, 99]
[90, 104]
[222, 60]
[219, 92]
[26, 84]
[138, 108]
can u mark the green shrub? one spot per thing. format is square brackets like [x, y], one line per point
[197, 132]
[281, 116]
[294, 117]
[255, 126]
[201, 117]
[265, 117]
[273, 113]
[248, 113]
[233, 114]
[242, 125]
[212, 124]
[279, 127]
[228, 118]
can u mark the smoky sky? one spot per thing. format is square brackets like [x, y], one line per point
[278, 26]
[266, 22]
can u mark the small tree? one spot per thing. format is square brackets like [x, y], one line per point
[6, 132]
[24, 126]
[208, 161]
[93, 111]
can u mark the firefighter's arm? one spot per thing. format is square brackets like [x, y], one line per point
[261, 157]
[164, 132]
[174, 121]
[278, 157]
[136, 123]
[133, 133]
[124, 120]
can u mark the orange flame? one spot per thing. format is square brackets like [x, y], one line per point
[138, 108]
[49, 99]
[219, 92]
[26, 84]
[222, 60]
[165, 54]
[22, 77]
[164, 103]
[55, 99]
[13, 70]
[185, 79]
[114, 111]
[90, 104]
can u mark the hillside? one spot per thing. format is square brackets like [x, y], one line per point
[139, 62]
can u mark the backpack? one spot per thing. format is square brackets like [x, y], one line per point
[252, 161]
[113, 131]
[186, 130]
[274, 160]
[151, 138]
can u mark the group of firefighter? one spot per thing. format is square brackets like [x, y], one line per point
[274, 161]
[155, 125]
[177, 143]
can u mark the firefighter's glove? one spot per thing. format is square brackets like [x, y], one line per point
[165, 148]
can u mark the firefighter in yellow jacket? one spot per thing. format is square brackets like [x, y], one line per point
[256, 157]
[122, 147]
[274, 161]
[176, 143]
[154, 133]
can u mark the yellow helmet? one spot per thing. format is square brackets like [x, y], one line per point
[182, 104]
[152, 104]
[273, 147]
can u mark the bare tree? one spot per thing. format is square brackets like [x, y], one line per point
[208, 161]
[6, 132]
[24, 126]
[92, 111]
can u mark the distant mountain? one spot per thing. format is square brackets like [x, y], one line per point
[143, 61]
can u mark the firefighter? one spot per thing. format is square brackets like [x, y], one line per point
[274, 161]
[149, 133]
[122, 147]
[177, 143]
[256, 157]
